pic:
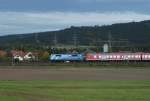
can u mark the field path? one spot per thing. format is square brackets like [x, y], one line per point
[75, 74]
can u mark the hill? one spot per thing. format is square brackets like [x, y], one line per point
[133, 34]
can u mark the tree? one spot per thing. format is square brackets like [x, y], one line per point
[44, 56]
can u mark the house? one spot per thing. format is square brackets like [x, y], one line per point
[29, 56]
[22, 56]
[18, 55]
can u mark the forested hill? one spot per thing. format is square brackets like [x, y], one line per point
[137, 33]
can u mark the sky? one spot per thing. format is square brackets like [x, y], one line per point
[27, 16]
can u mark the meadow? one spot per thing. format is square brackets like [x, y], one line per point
[75, 90]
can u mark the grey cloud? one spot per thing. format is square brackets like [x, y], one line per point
[25, 22]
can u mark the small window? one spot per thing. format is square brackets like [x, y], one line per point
[30, 55]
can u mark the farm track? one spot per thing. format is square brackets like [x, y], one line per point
[75, 74]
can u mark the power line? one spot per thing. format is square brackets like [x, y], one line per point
[110, 41]
[115, 43]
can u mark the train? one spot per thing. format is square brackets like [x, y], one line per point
[100, 57]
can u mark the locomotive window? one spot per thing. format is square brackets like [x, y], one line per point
[58, 55]
[74, 55]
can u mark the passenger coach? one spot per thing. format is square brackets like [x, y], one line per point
[114, 57]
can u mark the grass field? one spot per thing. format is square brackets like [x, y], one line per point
[76, 90]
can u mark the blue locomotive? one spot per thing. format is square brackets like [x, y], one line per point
[66, 57]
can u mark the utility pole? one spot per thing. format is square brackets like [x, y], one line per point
[37, 41]
[36, 38]
[75, 39]
[110, 41]
[121, 43]
[21, 43]
[55, 40]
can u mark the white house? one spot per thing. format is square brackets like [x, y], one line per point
[17, 57]
[29, 56]
[22, 56]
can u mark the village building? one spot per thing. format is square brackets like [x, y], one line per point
[23, 56]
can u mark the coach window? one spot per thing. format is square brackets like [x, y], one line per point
[136, 56]
[95, 56]
[125, 56]
[146, 56]
[100, 56]
[118, 56]
[110, 56]
[114, 56]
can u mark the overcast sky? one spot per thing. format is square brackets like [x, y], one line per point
[24, 16]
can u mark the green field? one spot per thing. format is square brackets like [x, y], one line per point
[74, 90]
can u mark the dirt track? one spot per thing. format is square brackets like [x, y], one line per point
[75, 74]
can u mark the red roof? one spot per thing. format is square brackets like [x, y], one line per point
[20, 53]
[3, 53]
